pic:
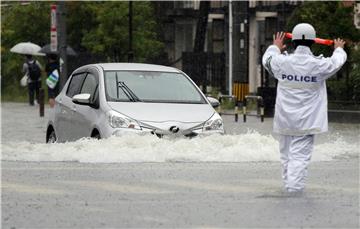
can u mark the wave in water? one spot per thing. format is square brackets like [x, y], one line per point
[251, 146]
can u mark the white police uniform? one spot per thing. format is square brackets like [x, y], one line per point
[301, 105]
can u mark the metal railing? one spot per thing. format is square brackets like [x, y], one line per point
[236, 111]
[260, 106]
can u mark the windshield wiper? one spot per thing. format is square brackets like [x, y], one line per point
[119, 85]
[127, 91]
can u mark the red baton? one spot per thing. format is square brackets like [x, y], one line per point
[317, 40]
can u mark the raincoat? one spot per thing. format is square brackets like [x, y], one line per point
[301, 102]
[301, 106]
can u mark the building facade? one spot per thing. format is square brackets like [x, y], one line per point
[254, 23]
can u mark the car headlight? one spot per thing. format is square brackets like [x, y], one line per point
[214, 123]
[117, 120]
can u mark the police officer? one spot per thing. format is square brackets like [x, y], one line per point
[301, 102]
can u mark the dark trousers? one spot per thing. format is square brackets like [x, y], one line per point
[33, 88]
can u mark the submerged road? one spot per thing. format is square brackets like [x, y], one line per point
[176, 195]
[173, 194]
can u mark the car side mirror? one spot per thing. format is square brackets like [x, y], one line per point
[82, 99]
[214, 102]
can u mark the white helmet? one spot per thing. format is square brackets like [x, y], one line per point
[303, 31]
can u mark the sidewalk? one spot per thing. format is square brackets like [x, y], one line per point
[21, 122]
[344, 116]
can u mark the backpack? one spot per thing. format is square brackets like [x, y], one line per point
[34, 71]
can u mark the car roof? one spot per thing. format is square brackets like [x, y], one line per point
[136, 67]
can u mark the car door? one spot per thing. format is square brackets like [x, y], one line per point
[65, 129]
[85, 116]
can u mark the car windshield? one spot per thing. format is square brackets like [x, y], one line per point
[146, 86]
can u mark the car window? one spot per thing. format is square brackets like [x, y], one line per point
[166, 87]
[89, 86]
[75, 84]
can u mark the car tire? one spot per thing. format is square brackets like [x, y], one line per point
[96, 135]
[52, 137]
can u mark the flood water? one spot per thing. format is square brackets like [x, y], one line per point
[23, 135]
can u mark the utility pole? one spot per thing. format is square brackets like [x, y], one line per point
[130, 52]
[199, 44]
[201, 27]
[62, 42]
[230, 48]
[357, 15]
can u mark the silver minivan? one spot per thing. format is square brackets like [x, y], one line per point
[101, 100]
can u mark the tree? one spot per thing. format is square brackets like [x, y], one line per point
[355, 74]
[20, 23]
[93, 27]
[332, 20]
[109, 34]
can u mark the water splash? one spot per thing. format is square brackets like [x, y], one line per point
[250, 146]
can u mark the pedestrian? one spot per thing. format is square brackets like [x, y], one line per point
[32, 68]
[52, 70]
[301, 101]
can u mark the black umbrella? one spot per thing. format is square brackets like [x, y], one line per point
[46, 49]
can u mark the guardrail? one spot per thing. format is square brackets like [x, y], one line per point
[236, 112]
[260, 105]
[236, 108]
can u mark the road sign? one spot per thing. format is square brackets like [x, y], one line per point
[53, 31]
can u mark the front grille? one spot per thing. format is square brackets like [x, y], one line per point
[190, 135]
